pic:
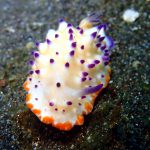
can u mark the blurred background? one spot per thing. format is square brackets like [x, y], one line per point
[120, 118]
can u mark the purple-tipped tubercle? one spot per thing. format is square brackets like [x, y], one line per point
[69, 103]
[58, 84]
[72, 53]
[83, 79]
[56, 35]
[101, 39]
[61, 20]
[36, 55]
[82, 61]
[31, 72]
[48, 41]
[83, 97]
[98, 45]
[31, 62]
[84, 73]
[92, 89]
[37, 44]
[74, 44]
[67, 65]
[51, 60]
[70, 31]
[103, 47]
[51, 104]
[70, 37]
[94, 34]
[82, 47]
[91, 65]
[96, 61]
[37, 71]
[81, 31]
[69, 25]
[104, 26]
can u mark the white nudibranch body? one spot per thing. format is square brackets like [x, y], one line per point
[68, 71]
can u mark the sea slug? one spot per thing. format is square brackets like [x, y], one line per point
[68, 71]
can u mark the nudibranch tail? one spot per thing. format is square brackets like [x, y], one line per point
[68, 71]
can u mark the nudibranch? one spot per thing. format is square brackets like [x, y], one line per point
[68, 71]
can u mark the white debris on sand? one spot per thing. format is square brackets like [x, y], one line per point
[130, 15]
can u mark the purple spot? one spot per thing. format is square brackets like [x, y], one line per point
[32, 53]
[70, 31]
[92, 89]
[56, 109]
[36, 55]
[94, 34]
[78, 28]
[91, 65]
[61, 20]
[83, 97]
[79, 104]
[69, 103]
[36, 86]
[51, 60]
[102, 76]
[90, 78]
[96, 61]
[98, 36]
[31, 62]
[74, 44]
[106, 63]
[37, 44]
[56, 35]
[36, 99]
[81, 31]
[71, 37]
[72, 53]
[83, 79]
[63, 110]
[30, 79]
[69, 25]
[103, 47]
[48, 41]
[98, 45]
[82, 61]
[67, 64]
[106, 54]
[31, 72]
[58, 84]
[37, 71]
[57, 53]
[84, 73]
[105, 58]
[51, 104]
[101, 39]
[102, 26]
[82, 47]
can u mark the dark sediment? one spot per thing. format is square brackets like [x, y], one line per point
[120, 118]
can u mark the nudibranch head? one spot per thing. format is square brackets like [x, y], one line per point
[68, 71]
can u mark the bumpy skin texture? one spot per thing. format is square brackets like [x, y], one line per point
[68, 72]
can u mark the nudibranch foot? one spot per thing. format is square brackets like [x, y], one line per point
[68, 71]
